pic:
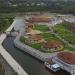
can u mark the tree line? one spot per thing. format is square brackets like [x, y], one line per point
[56, 7]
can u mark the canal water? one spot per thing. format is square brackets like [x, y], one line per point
[29, 63]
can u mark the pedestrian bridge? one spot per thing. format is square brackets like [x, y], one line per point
[11, 33]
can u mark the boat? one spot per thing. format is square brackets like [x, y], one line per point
[51, 65]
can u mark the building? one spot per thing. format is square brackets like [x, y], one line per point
[67, 57]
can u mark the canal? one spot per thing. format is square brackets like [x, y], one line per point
[30, 64]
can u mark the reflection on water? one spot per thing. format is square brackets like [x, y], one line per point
[29, 63]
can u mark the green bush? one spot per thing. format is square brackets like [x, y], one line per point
[64, 33]
[5, 22]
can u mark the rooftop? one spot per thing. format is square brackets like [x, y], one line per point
[67, 57]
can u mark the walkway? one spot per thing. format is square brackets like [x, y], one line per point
[10, 60]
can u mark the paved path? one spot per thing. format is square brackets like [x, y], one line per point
[10, 60]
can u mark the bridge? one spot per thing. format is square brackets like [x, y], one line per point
[11, 33]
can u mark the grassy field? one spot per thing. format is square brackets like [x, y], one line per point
[49, 36]
[42, 28]
[5, 22]
[65, 33]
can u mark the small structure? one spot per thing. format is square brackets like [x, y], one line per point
[12, 33]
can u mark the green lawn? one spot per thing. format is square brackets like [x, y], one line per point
[5, 22]
[42, 28]
[65, 33]
[49, 36]
[35, 45]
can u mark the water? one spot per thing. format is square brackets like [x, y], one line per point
[29, 63]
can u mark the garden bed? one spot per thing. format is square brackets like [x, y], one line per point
[40, 27]
[39, 46]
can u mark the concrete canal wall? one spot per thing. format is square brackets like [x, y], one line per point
[29, 49]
